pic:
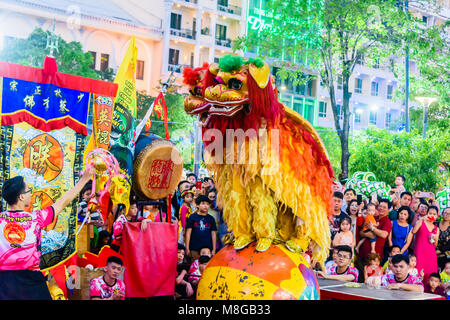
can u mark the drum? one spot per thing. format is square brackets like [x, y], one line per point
[157, 167]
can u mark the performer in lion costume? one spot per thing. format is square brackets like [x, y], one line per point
[283, 196]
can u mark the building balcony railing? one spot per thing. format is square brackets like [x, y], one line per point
[230, 9]
[189, 1]
[224, 42]
[184, 33]
[178, 68]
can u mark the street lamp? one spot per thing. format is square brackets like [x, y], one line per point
[426, 102]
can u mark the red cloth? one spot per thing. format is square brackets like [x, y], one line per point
[150, 257]
[51, 75]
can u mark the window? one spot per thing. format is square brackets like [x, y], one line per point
[340, 112]
[140, 70]
[390, 88]
[173, 56]
[339, 82]
[425, 20]
[221, 32]
[94, 57]
[373, 117]
[216, 60]
[175, 21]
[357, 117]
[388, 120]
[358, 85]
[360, 60]
[286, 100]
[374, 89]
[104, 62]
[322, 109]
[376, 64]
[298, 105]
[309, 87]
[222, 3]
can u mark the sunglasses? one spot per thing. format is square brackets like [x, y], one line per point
[29, 190]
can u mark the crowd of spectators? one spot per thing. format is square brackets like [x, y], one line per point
[400, 244]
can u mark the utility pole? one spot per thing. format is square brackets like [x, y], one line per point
[407, 79]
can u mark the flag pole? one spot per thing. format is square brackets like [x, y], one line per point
[150, 110]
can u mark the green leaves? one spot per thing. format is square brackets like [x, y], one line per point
[70, 56]
[390, 154]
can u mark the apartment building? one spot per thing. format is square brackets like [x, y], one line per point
[200, 31]
[103, 27]
[372, 87]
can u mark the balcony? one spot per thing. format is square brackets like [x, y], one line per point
[230, 9]
[205, 31]
[224, 42]
[184, 33]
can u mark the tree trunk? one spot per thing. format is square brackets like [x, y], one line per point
[345, 154]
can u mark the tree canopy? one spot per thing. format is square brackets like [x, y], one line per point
[327, 39]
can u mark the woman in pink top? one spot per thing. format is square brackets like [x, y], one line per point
[427, 235]
[20, 239]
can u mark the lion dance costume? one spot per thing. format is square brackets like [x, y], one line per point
[285, 195]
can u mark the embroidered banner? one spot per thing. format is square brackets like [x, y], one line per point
[50, 163]
[124, 115]
[45, 106]
[103, 111]
[44, 117]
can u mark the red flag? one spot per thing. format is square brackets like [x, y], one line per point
[158, 107]
[150, 258]
[59, 273]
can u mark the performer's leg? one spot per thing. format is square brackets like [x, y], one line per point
[265, 213]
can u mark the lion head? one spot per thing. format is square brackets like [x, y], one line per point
[235, 94]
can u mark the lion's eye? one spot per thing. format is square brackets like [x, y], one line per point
[197, 91]
[234, 84]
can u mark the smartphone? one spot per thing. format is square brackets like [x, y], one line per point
[198, 186]
[359, 198]
[424, 194]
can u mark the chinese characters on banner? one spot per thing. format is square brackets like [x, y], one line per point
[44, 117]
[103, 110]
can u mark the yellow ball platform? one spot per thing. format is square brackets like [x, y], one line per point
[276, 274]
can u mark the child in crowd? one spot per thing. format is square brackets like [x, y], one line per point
[85, 194]
[412, 267]
[152, 213]
[193, 270]
[200, 229]
[393, 250]
[370, 218]
[103, 239]
[331, 263]
[373, 268]
[434, 285]
[183, 288]
[185, 212]
[119, 225]
[445, 278]
[195, 278]
[344, 237]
